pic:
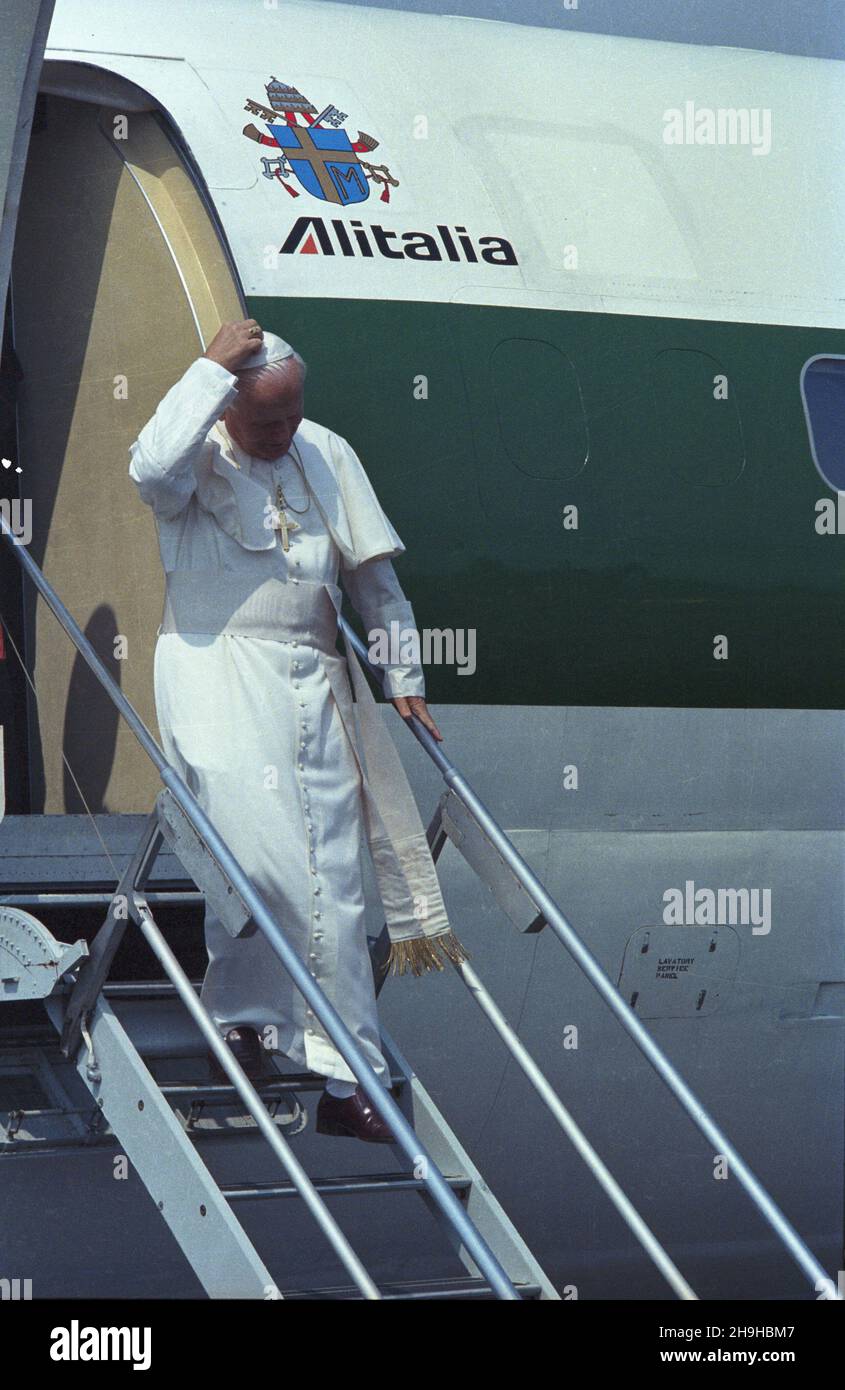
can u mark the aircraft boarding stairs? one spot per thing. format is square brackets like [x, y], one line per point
[143, 1087]
[139, 1050]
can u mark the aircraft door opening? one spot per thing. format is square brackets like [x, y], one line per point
[119, 278]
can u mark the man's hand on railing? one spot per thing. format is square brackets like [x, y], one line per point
[415, 704]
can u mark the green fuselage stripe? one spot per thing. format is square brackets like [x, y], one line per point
[695, 506]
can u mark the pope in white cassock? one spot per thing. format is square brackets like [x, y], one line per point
[259, 512]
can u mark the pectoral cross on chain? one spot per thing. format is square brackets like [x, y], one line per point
[283, 523]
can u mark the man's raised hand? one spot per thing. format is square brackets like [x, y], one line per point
[234, 343]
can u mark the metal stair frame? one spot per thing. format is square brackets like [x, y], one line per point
[178, 1181]
[485, 1212]
[214, 859]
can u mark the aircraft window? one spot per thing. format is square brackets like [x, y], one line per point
[593, 179]
[698, 423]
[533, 380]
[823, 394]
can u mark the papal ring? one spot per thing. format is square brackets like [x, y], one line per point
[255, 333]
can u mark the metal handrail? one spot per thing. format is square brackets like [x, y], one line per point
[613, 1190]
[379, 1097]
[586, 961]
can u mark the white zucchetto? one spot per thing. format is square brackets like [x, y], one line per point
[272, 349]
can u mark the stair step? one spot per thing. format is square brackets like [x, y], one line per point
[340, 1186]
[237, 1128]
[265, 1085]
[418, 1291]
[145, 989]
[154, 1060]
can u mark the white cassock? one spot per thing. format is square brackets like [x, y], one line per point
[253, 725]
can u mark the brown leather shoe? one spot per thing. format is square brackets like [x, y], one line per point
[246, 1045]
[353, 1117]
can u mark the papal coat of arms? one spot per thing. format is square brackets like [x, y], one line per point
[314, 150]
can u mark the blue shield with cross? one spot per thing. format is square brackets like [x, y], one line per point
[323, 161]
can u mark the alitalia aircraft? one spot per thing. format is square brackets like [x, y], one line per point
[578, 302]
